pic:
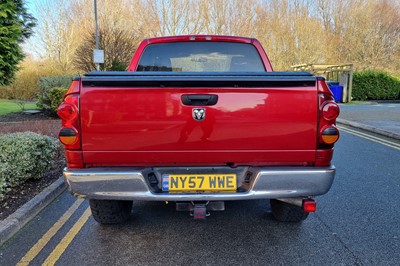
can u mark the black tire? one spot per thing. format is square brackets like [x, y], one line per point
[110, 211]
[285, 212]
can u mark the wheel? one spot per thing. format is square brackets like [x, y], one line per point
[110, 211]
[285, 212]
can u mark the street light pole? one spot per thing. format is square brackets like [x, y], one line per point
[97, 32]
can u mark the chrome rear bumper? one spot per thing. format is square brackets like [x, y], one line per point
[132, 184]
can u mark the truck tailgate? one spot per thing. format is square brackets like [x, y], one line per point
[263, 119]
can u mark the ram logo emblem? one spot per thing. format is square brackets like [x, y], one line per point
[199, 114]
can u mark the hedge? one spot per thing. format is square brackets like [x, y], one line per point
[46, 83]
[24, 155]
[51, 92]
[375, 85]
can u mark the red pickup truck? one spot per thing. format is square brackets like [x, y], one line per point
[199, 120]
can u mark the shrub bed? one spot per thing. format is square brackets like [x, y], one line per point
[375, 85]
[24, 155]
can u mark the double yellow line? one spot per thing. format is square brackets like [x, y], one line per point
[63, 244]
[382, 141]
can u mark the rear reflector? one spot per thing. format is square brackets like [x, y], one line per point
[309, 205]
[68, 136]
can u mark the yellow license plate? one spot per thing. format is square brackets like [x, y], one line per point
[199, 182]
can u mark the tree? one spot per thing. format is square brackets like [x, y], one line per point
[15, 26]
[363, 32]
[118, 46]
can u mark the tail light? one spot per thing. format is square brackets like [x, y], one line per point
[70, 134]
[328, 134]
[330, 111]
[309, 205]
[69, 113]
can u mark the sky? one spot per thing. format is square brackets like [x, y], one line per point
[33, 46]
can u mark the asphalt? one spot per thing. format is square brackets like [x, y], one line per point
[13, 223]
[380, 118]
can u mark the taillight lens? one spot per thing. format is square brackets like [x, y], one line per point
[309, 205]
[68, 136]
[329, 134]
[67, 111]
[330, 111]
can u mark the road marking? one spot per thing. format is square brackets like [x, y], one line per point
[42, 242]
[62, 246]
[385, 142]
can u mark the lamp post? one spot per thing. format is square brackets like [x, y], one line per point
[98, 55]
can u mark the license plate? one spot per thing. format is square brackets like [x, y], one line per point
[199, 182]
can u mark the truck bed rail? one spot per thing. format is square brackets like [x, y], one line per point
[195, 79]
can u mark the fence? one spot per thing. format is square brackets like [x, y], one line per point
[337, 73]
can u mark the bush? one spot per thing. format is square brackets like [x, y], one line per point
[51, 99]
[23, 156]
[26, 84]
[46, 83]
[375, 85]
[51, 92]
[23, 88]
[56, 97]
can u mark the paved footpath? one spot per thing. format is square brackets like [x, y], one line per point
[381, 118]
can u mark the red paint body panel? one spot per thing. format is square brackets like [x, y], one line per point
[74, 159]
[200, 158]
[155, 120]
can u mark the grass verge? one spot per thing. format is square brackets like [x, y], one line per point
[8, 106]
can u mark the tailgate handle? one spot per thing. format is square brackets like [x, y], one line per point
[199, 99]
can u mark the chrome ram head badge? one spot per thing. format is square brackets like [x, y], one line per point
[199, 114]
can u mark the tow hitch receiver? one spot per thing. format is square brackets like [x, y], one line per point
[200, 210]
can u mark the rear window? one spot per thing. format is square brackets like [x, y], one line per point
[201, 57]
